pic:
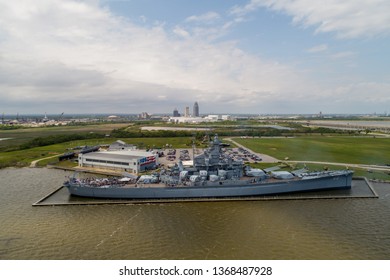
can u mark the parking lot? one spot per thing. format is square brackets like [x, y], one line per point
[172, 156]
[244, 155]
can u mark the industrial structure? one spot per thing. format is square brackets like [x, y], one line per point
[219, 118]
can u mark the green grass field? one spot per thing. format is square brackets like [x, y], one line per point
[21, 136]
[25, 157]
[359, 150]
[340, 149]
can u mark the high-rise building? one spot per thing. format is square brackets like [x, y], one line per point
[195, 112]
[187, 112]
[144, 115]
[176, 113]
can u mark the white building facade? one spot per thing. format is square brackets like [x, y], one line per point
[129, 161]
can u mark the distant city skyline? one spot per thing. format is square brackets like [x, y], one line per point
[231, 56]
[186, 111]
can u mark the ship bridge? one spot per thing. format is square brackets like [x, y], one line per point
[213, 159]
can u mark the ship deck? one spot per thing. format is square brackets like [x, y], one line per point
[361, 188]
[243, 180]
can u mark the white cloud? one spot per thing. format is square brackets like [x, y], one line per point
[364, 97]
[318, 48]
[324, 50]
[253, 5]
[347, 18]
[208, 26]
[73, 50]
[181, 32]
[346, 54]
[206, 18]
[72, 55]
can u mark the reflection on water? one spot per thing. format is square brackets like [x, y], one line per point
[285, 229]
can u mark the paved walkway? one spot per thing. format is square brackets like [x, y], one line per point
[34, 162]
[353, 165]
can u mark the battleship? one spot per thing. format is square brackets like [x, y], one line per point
[213, 175]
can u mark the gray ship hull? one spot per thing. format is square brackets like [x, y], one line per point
[233, 189]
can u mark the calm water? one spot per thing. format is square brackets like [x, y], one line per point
[292, 229]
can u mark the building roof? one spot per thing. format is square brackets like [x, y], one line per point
[118, 155]
[131, 153]
[120, 142]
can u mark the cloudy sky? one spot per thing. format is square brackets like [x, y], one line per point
[232, 56]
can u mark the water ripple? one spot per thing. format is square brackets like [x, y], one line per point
[299, 229]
